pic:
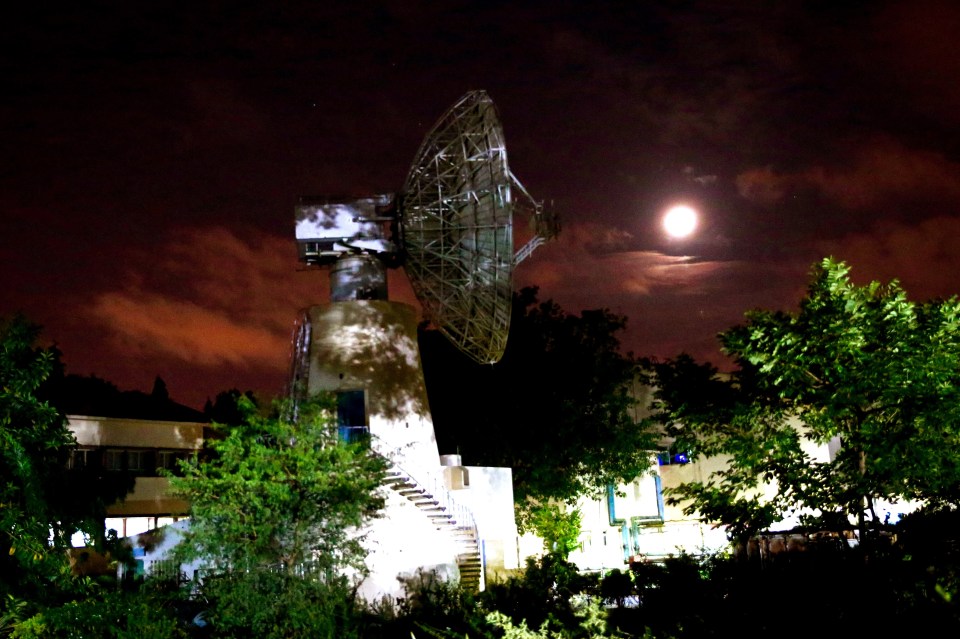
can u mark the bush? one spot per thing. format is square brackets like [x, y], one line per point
[544, 592]
[431, 607]
[107, 614]
[279, 605]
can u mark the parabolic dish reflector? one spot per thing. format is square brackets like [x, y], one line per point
[456, 221]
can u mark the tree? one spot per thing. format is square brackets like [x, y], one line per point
[225, 409]
[861, 366]
[160, 392]
[558, 527]
[276, 515]
[557, 408]
[90, 395]
[42, 501]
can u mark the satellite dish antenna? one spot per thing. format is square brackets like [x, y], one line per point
[450, 228]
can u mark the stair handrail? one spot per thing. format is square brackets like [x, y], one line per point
[462, 515]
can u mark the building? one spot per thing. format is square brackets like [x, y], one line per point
[633, 522]
[144, 448]
[448, 520]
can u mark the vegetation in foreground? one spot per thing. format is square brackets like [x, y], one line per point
[274, 511]
[909, 589]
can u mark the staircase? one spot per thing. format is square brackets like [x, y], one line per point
[436, 503]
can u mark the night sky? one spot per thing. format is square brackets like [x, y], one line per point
[152, 155]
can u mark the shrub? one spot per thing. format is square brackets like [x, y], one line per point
[107, 614]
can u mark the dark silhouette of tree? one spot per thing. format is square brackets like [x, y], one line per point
[557, 408]
[160, 392]
[93, 396]
[225, 408]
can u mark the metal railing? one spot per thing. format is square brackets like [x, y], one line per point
[459, 516]
[435, 486]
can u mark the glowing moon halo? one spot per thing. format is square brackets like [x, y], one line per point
[680, 221]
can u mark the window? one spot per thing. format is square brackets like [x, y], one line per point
[167, 459]
[113, 460]
[352, 415]
[666, 458]
[81, 458]
[136, 460]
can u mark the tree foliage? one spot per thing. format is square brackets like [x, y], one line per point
[276, 517]
[42, 501]
[557, 408]
[107, 613]
[558, 526]
[225, 408]
[90, 395]
[860, 366]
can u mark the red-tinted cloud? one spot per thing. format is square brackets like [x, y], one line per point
[208, 308]
[211, 298]
[764, 185]
[923, 256]
[592, 266]
[878, 173]
[149, 324]
[672, 303]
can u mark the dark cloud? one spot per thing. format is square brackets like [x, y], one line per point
[919, 51]
[151, 156]
[880, 173]
[673, 303]
[922, 256]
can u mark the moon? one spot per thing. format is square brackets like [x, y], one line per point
[680, 221]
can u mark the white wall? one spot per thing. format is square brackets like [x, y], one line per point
[135, 433]
[489, 497]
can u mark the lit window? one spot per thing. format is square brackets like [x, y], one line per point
[667, 458]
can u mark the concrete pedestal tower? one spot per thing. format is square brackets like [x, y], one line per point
[451, 228]
[365, 352]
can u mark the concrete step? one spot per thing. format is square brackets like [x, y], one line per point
[469, 560]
